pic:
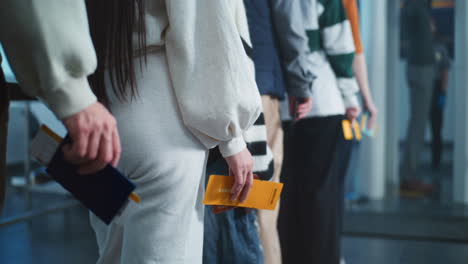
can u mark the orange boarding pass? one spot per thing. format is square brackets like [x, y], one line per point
[263, 195]
[347, 129]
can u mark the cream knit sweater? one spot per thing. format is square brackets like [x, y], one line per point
[49, 47]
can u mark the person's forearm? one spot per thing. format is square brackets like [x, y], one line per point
[360, 72]
[50, 50]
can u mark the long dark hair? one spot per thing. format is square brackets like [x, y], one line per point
[113, 24]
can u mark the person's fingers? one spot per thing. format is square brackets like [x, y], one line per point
[239, 181]
[105, 149]
[71, 157]
[301, 115]
[80, 143]
[350, 115]
[371, 122]
[302, 108]
[292, 106]
[247, 186]
[302, 111]
[93, 146]
[95, 140]
[116, 147]
[103, 158]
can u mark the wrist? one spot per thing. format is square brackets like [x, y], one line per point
[72, 98]
[232, 147]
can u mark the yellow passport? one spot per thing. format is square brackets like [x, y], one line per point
[347, 130]
[357, 131]
[263, 195]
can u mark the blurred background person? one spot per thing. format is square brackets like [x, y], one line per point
[269, 76]
[233, 237]
[178, 83]
[360, 72]
[317, 51]
[439, 95]
[45, 70]
[420, 75]
[359, 62]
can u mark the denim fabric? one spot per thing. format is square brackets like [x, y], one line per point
[231, 237]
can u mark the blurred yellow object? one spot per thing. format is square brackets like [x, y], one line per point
[134, 197]
[347, 130]
[357, 131]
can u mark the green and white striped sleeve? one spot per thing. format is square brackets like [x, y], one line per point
[337, 41]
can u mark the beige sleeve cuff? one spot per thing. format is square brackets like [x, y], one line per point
[73, 97]
[232, 147]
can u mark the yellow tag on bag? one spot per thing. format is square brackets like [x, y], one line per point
[347, 131]
[370, 132]
[364, 118]
[263, 195]
[357, 131]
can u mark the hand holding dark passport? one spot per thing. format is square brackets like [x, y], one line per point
[104, 193]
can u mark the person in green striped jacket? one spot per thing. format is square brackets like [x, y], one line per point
[317, 50]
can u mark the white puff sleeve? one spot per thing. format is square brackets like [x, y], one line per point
[50, 50]
[215, 89]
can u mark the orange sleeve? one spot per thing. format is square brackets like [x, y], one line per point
[353, 17]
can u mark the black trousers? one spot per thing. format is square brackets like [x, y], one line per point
[310, 218]
[436, 120]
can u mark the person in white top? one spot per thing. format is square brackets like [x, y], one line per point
[317, 49]
[49, 48]
[179, 88]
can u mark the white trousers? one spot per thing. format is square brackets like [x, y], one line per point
[168, 165]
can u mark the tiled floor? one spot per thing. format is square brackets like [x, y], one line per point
[379, 251]
[429, 230]
[66, 237]
[59, 238]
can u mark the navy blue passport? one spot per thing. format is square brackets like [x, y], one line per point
[104, 193]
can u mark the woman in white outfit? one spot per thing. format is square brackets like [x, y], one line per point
[186, 91]
[173, 74]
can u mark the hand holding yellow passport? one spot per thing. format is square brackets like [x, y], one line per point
[263, 195]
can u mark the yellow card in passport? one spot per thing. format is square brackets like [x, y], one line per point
[347, 130]
[357, 131]
[263, 195]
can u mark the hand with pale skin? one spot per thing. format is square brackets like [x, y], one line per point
[373, 112]
[299, 107]
[95, 139]
[352, 113]
[240, 167]
[360, 71]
